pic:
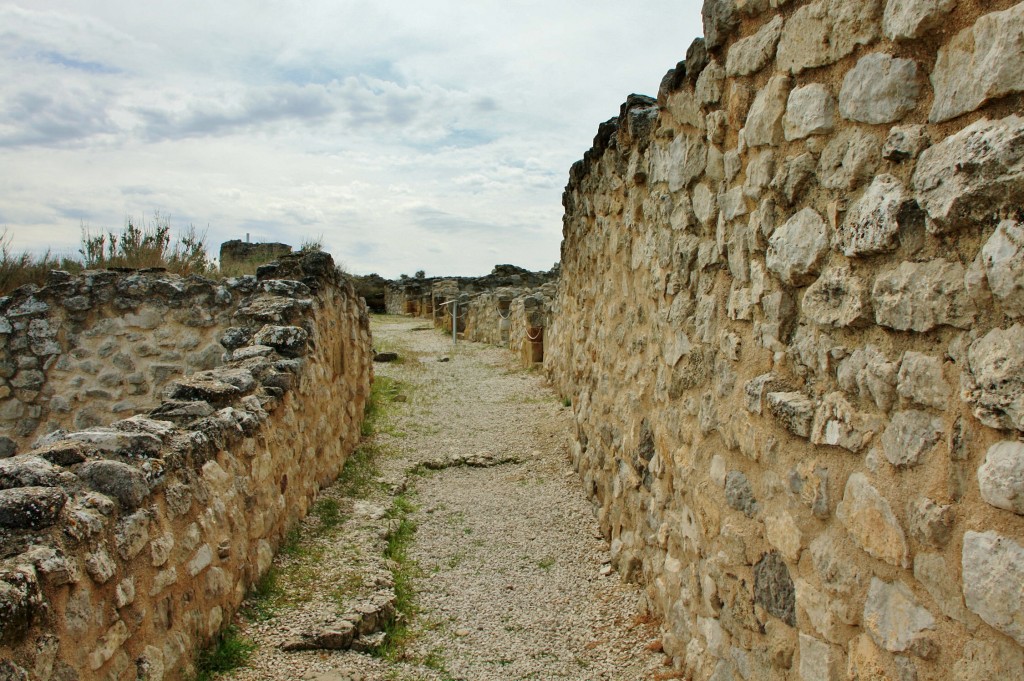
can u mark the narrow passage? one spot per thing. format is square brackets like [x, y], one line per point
[471, 514]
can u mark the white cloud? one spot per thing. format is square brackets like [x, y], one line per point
[408, 135]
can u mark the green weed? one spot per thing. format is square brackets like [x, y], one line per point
[230, 652]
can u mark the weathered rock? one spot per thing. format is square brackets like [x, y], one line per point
[720, 21]
[212, 390]
[873, 222]
[794, 409]
[739, 494]
[930, 522]
[910, 435]
[752, 54]
[290, 341]
[905, 142]
[896, 621]
[849, 160]
[1001, 477]
[794, 177]
[819, 661]
[920, 380]
[810, 110]
[28, 470]
[983, 62]
[825, 31]
[838, 299]
[972, 175]
[870, 521]
[681, 162]
[100, 566]
[773, 588]
[922, 296]
[837, 423]
[879, 89]
[31, 508]
[797, 249]
[998, 659]
[710, 83]
[994, 381]
[20, 598]
[140, 445]
[909, 19]
[993, 570]
[125, 483]
[764, 121]
[1003, 257]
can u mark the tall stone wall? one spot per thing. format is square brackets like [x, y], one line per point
[125, 548]
[791, 319]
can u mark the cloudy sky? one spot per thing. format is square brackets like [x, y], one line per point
[431, 135]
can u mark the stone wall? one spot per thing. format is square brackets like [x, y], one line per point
[791, 320]
[513, 318]
[127, 547]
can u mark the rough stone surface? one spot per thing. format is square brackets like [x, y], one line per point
[870, 521]
[794, 409]
[764, 121]
[739, 494]
[984, 61]
[910, 436]
[838, 299]
[125, 483]
[994, 381]
[31, 508]
[849, 160]
[873, 222]
[837, 423]
[993, 570]
[920, 380]
[1001, 476]
[905, 142]
[810, 110]
[909, 19]
[752, 54]
[968, 177]
[922, 296]
[819, 661]
[797, 248]
[896, 621]
[825, 31]
[880, 89]
[773, 588]
[1003, 257]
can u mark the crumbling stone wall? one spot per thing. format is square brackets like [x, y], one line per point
[127, 547]
[790, 320]
[512, 317]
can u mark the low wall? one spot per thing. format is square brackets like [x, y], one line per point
[791, 320]
[128, 547]
[512, 318]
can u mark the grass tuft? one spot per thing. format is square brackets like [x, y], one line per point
[230, 652]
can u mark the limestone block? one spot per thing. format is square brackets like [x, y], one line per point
[752, 54]
[820, 661]
[994, 381]
[909, 19]
[28, 470]
[869, 519]
[825, 31]
[879, 89]
[720, 21]
[794, 410]
[820, 611]
[125, 483]
[710, 83]
[870, 374]
[970, 176]
[810, 110]
[837, 299]
[993, 570]
[942, 585]
[1001, 477]
[922, 296]
[849, 160]
[773, 588]
[896, 621]
[905, 142]
[681, 162]
[1003, 258]
[131, 534]
[733, 203]
[162, 580]
[201, 560]
[795, 176]
[873, 222]
[717, 126]
[930, 522]
[911, 434]
[981, 63]
[705, 204]
[100, 566]
[764, 120]
[837, 423]
[797, 249]
[783, 533]
[760, 170]
[31, 508]
[920, 380]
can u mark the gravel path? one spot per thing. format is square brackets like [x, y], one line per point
[512, 578]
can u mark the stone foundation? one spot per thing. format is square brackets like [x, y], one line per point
[790, 320]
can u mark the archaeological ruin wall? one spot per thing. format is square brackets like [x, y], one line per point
[127, 541]
[791, 321]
